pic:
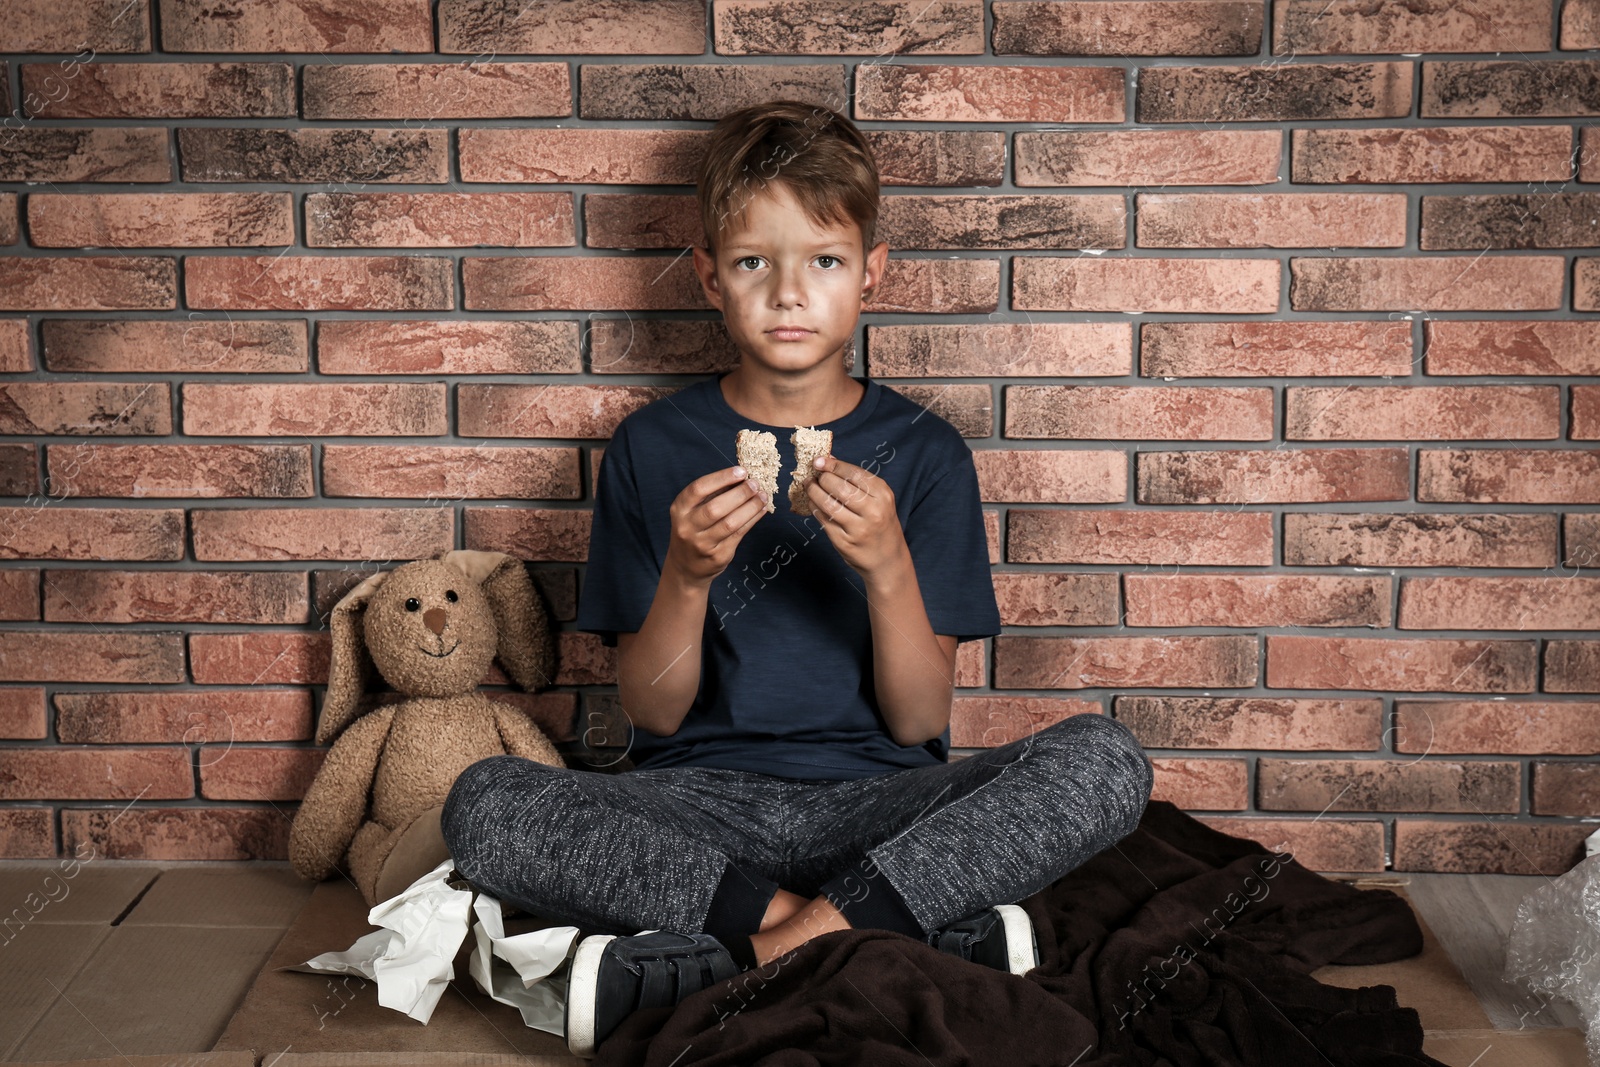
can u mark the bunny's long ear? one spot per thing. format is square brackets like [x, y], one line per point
[526, 644]
[350, 666]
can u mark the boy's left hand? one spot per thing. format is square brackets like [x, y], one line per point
[856, 508]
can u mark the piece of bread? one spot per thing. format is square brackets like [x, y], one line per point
[808, 445]
[758, 455]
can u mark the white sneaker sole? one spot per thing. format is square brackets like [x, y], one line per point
[582, 984]
[1022, 942]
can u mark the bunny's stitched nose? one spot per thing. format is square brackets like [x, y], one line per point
[434, 619]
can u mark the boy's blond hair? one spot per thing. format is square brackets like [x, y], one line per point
[817, 153]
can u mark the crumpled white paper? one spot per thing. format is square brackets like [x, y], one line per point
[411, 958]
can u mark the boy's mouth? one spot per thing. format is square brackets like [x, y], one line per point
[790, 333]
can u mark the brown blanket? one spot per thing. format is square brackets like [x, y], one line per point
[1179, 945]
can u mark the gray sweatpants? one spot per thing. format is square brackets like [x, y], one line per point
[692, 849]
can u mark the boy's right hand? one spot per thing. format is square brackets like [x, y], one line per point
[709, 518]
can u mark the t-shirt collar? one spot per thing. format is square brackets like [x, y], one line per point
[724, 412]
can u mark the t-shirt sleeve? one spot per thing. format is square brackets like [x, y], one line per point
[950, 551]
[621, 575]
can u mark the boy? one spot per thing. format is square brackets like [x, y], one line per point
[788, 680]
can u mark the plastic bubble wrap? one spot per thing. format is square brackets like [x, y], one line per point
[1555, 942]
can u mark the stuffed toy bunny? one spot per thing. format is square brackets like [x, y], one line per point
[432, 627]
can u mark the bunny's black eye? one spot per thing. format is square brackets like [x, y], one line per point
[413, 604]
[450, 595]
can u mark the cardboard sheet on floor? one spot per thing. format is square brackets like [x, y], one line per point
[177, 1059]
[1561, 1047]
[296, 1013]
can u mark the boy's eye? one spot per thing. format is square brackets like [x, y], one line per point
[742, 260]
[834, 258]
[745, 259]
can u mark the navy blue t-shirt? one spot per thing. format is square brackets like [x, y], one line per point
[786, 680]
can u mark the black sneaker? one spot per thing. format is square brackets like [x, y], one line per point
[613, 976]
[1001, 937]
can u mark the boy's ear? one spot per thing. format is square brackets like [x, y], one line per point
[877, 263]
[705, 268]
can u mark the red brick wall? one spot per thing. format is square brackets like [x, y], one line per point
[1271, 327]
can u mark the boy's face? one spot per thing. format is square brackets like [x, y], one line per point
[778, 269]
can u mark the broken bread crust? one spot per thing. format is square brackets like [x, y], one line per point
[808, 445]
[758, 455]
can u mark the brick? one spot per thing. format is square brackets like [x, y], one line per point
[941, 286]
[1433, 283]
[75, 656]
[660, 27]
[992, 721]
[8, 226]
[19, 596]
[231, 773]
[191, 346]
[103, 25]
[1501, 603]
[1256, 600]
[927, 221]
[1509, 89]
[582, 660]
[1204, 286]
[984, 350]
[530, 533]
[159, 90]
[16, 347]
[578, 283]
[821, 28]
[969, 408]
[1437, 154]
[1119, 28]
[585, 156]
[1051, 476]
[177, 833]
[1516, 346]
[420, 346]
[1582, 538]
[972, 668]
[449, 473]
[1508, 476]
[1511, 220]
[1499, 847]
[1252, 722]
[513, 410]
[260, 657]
[300, 26]
[703, 91]
[1273, 476]
[27, 833]
[262, 154]
[439, 220]
[1498, 727]
[108, 596]
[182, 471]
[472, 90]
[991, 531]
[95, 774]
[1201, 784]
[1275, 92]
[315, 409]
[1095, 662]
[1034, 599]
[1139, 412]
[1246, 349]
[1410, 665]
[1317, 844]
[160, 220]
[1422, 412]
[321, 283]
[1004, 93]
[88, 283]
[85, 154]
[1566, 789]
[658, 346]
[253, 714]
[1572, 666]
[939, 157]
[1580, 24]
[1585, 413]
[56, 407]
[19, 470]
[1154, 538]
[97, 533]
[1345, 27]
[245, 534]
[1387, 539]
[1586, 284]
[22, 713]
[1147, 157]
[1271, 220]
[1387, 785]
